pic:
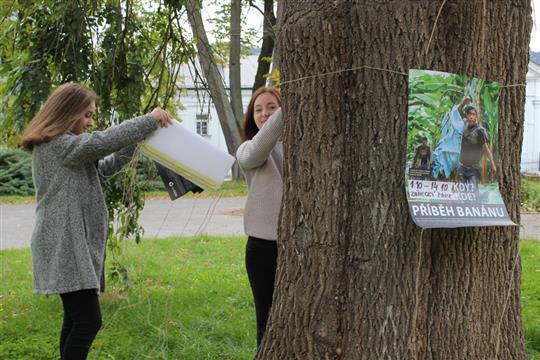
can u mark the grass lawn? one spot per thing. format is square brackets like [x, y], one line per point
[530, 194]
[17, 199]
[530, 295]
[228, 189]
[534, 184]
[188, 298]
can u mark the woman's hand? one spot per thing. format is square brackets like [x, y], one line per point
[163, 118]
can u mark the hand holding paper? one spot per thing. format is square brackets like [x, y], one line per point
[163, 118]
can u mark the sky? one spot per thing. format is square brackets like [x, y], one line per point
[535, 35]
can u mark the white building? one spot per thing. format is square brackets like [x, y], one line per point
[530, 154]
[199, 114]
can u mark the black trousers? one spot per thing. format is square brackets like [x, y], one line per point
[82, 321]
[261, 262]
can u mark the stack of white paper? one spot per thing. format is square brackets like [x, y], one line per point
[189, 155]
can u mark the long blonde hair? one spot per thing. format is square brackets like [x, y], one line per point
[63, 108]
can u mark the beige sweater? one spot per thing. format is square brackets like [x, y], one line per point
[261, 159]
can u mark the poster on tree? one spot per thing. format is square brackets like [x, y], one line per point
[452, 151]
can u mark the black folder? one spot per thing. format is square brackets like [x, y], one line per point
[175, 184]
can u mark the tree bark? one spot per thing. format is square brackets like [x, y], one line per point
[267, 46]
[214, 78]
[356, 278]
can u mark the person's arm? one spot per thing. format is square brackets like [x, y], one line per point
[94, 146]
[487, 151]
[464, 102]
[455, 118]
[485, 147]
[253, 153]
[416, 158]
[113, 163]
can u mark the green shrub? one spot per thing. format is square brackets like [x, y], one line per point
[530, 195]
[147, 175]
[15, 172]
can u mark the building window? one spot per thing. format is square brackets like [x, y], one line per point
[202, 124]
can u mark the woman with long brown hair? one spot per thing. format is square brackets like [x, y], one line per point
[261, 159]
[68, 166]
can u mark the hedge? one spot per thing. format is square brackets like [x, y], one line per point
[16, 173]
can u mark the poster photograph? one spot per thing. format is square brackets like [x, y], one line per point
[452, 151]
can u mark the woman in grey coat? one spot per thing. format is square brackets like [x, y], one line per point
[68, 165]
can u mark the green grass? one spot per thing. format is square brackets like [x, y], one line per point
[535, 184]
[228, 189]
[530, 194]
[188, 298]
[530, 295]
[17, 199]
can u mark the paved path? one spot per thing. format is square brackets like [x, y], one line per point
[183, 217]
[159, 218]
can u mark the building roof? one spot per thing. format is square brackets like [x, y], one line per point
[534, 57]
[533, 71]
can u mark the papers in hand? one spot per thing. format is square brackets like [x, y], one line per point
[189, 155]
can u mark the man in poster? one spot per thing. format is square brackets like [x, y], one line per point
[474, 143]
[456, 194]
[422, 158]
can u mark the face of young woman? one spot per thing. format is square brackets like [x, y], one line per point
[264, 106]
[86, 121]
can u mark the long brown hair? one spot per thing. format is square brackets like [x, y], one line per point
[63, 108]
[250, 127]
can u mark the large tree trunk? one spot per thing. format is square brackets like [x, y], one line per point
[356, 278]
[214, 78]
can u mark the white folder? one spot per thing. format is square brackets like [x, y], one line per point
[189, 155]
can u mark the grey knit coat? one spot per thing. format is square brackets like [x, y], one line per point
[261, 159]
[68, 242]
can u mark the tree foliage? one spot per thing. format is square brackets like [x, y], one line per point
[15, 172]
[41, 45]
[129, 54]
[129, 51]
[221, 30]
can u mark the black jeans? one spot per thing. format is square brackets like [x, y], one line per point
[261, 262]
[82, 321]
[468, 174]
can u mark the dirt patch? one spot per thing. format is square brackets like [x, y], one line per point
[237, 212]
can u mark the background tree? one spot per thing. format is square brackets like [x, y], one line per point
[235, 80]
[267, 46]
[356, 278]
[216, 87]
[228, 103]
